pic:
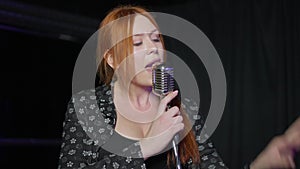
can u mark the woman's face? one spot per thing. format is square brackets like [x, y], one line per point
[147, 50]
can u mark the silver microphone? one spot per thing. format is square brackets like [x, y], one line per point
[162, 84]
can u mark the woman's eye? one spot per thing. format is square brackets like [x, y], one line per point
[156, 40]
[137, 43]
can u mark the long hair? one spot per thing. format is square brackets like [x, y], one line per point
[119, 50]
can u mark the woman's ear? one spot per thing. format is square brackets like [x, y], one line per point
[109, 58]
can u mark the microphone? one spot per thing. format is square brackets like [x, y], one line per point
[162, 84]
[162, 79]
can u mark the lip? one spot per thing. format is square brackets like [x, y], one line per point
[149, 65]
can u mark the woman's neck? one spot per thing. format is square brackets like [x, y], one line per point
[139, 97]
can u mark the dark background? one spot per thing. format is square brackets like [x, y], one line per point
[257, 41]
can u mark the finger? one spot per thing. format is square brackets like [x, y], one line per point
[295, 127]
[178, 119]
[174, 111]
[168, 98]
[177, 128]
[294, 143]
[291, 162]
[283, 162]
[293, 139]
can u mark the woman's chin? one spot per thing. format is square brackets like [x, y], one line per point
[144, 84]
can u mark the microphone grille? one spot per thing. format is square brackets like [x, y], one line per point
[162, 79]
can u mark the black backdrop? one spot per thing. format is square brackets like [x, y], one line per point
[257, 41]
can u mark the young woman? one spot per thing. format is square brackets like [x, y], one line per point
[130, 127]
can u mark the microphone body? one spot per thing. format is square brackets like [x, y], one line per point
[162, 84]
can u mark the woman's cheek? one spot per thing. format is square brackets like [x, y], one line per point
[139, 61]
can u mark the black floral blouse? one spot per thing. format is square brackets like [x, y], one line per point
[89, 138]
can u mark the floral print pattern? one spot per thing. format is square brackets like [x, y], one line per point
[88, 130]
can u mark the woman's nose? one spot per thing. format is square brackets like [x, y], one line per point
[151, 46]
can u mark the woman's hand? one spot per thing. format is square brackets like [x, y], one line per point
[280, 151]
[163, 128]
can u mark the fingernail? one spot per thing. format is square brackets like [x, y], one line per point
[175, 92]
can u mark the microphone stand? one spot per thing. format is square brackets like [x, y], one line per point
[175, 143]
[175, 148]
